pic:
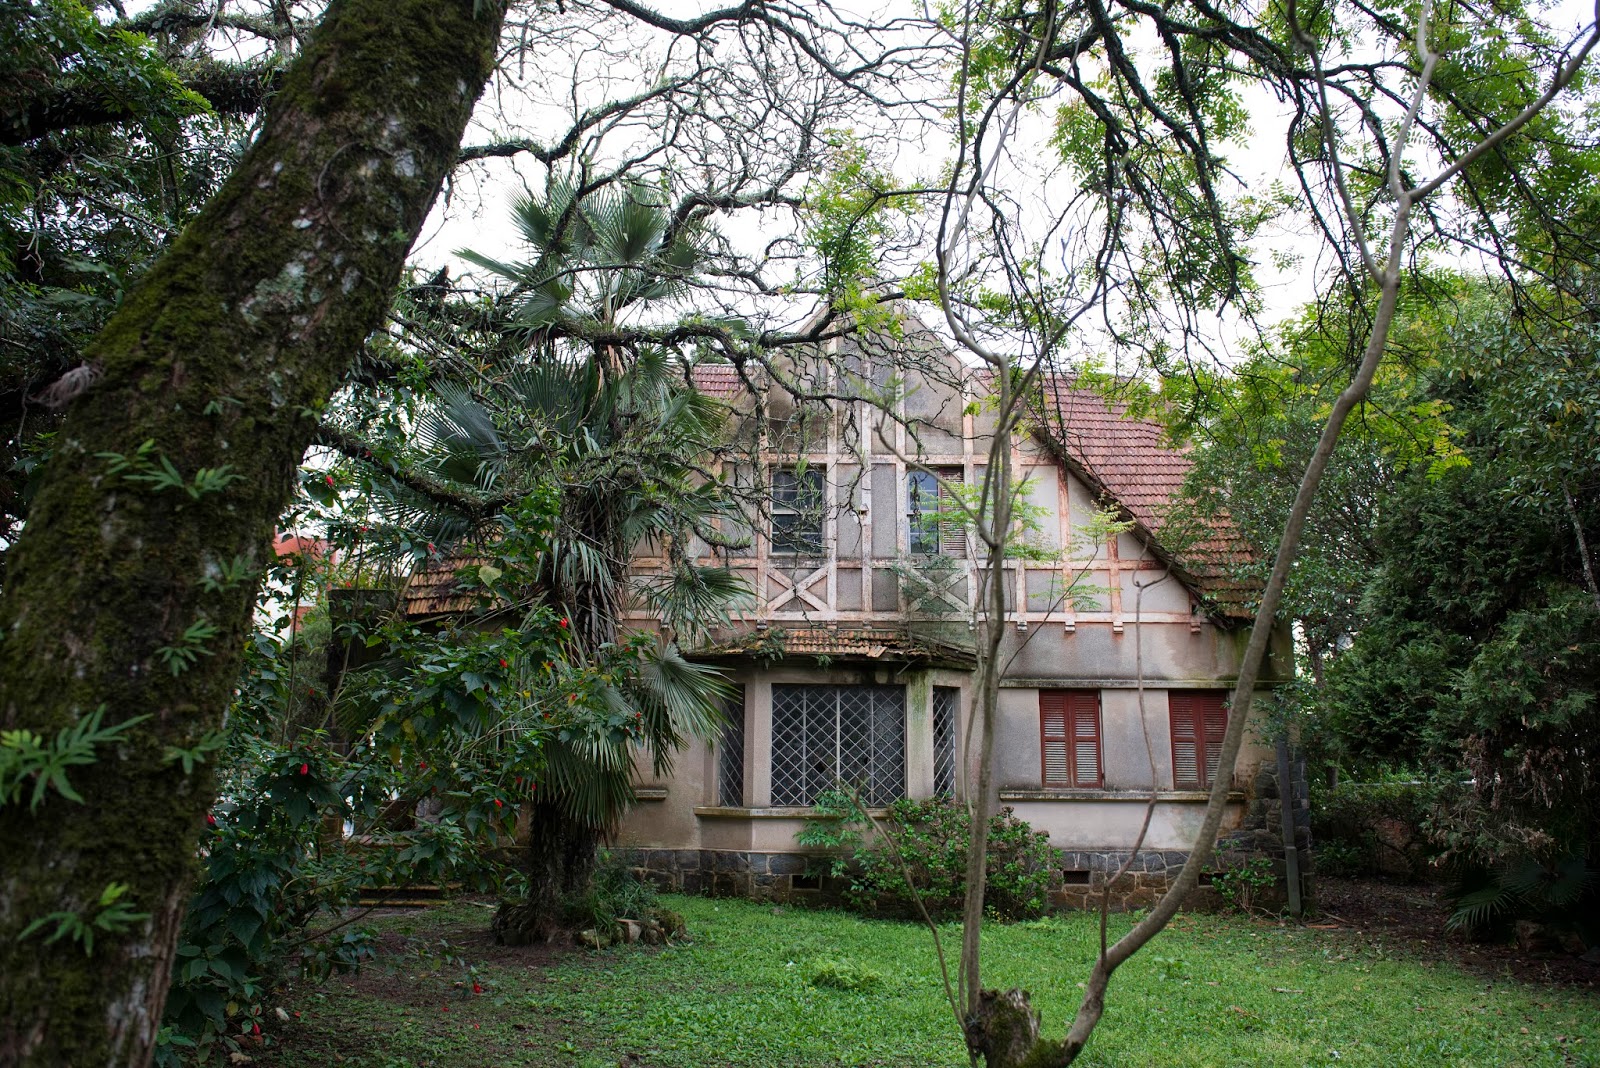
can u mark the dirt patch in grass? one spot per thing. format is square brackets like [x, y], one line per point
[440, 987]
[1413, 916]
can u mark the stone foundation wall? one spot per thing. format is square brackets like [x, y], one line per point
[1260, 834]
[1082, 877]
[1078, 877]
[734, 873]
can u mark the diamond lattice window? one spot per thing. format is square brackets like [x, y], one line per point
[944, 739]
[828, 735]
[730, 752]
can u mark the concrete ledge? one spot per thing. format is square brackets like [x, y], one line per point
[1022, 683]
[725, 812]
[651, 793]
[1123, 796]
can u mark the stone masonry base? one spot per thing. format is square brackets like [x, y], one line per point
[1078, 877]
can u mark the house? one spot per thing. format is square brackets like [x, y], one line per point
[856, 661]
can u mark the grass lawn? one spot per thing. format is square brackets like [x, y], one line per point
[1211, 991]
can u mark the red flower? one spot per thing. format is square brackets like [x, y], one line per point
[563, 622]
[504, 662]
[476, 989]
[211, 820]
[305, 769]
[422, 765]
[497, 804]
[330, 479]
[430, 548]
[255, 1029]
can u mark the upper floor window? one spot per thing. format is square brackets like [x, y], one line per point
[1069, 737]
[1199, 720]
[797, 507]
[933, 518]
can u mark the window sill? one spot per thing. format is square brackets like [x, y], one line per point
[1136, 796]
[785, 812]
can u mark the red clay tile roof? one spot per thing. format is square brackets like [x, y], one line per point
[716, 379]
[1127, 462]
[889, 646]
[434, 590]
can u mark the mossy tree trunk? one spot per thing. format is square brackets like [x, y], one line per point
[220, 358]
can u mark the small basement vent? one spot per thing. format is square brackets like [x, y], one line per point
[1075, 876]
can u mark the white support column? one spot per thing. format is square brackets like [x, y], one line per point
[758, 743]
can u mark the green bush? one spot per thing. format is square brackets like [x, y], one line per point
[615, 894]
[1241, 885]
[1374, 828]
[843, 974]
[932, 838]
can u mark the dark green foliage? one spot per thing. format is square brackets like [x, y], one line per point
[277, 870]
[614, 894]
[1562, 895]
[843, 973]
[1479, 662]
[931, 839]
[1373, 828]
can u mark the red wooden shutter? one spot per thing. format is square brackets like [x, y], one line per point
[1186, 740]
[1085, 709]
[1069, 737]
[1053, 737]
[1213, 716]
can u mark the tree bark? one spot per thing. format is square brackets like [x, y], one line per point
[560, 864]
[220, 359]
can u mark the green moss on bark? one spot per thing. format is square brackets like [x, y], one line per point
[264, 299]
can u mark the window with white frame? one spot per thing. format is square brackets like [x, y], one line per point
[825, 736]
[932, 513]
[797, 506]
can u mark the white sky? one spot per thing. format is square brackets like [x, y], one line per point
[476, 216]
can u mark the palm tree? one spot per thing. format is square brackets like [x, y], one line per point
[614, 436]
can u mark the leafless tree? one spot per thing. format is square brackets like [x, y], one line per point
[1143, 116]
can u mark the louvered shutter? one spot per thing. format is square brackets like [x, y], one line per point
[1053, 737]
[1213, 717]
[1085, 712]
[952, 531]
[1069, 737]
[1186, 741]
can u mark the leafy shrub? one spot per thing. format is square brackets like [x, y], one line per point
[1240, 885]
[932, 838]
[842, 974]
[615, 894]
[1373, 828]
[1561, 895]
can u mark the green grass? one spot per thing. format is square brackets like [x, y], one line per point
[1211, 991]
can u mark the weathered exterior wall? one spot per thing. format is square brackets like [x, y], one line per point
[1093, 614]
